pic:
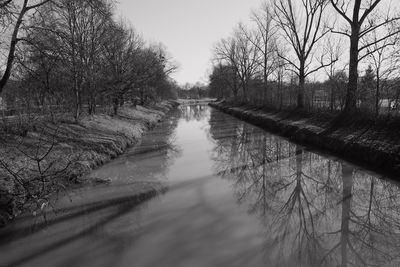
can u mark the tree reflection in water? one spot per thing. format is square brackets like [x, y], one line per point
[317, 211]
[192, 112]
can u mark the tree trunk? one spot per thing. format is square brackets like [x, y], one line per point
[333, 100]
[377, 93]
[244, 88]
[92, 104]
[331, 81]
[266, 97]
[235, 86]
[300, 94]
[77, 101]
[13, 45]
[116, 105]
[351, 96]
[280, 92]
[141, 96]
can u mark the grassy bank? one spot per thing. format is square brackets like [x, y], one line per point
[373, 143]
[48, 156]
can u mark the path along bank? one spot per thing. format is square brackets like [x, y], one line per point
[375, 145]
[51, 156]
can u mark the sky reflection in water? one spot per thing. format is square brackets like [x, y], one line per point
[316, 210]
[237, 196]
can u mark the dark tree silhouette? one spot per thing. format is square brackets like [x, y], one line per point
[361, 23]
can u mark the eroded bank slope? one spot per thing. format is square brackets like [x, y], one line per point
[53, 155]
[373, 144]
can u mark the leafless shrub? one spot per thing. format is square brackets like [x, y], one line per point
[34, 166]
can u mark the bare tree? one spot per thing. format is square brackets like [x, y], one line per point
[121, 47]
[20, 11]
[72, 32]
[362, 22]
[132, 69]
[302, 26]
[279, 73]
[221, 81]
[264, 41]
[384, 63]
[247, 58]
[225, 51]
[334, 50]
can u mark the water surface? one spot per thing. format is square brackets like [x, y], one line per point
[233, 195]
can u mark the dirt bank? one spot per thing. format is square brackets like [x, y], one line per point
[52, 155]
[375, 145]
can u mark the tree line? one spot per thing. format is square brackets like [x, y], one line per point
[74, 55]
[339, 55]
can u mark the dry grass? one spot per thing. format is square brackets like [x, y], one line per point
[69, 151]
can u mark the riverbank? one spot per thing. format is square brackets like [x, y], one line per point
[375, 144]
[51, 156]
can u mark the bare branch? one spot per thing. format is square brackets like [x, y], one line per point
[340, 11]
[368, 11]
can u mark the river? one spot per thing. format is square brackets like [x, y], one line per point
[230, 194]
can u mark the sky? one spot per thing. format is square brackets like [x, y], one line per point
[188, 28]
